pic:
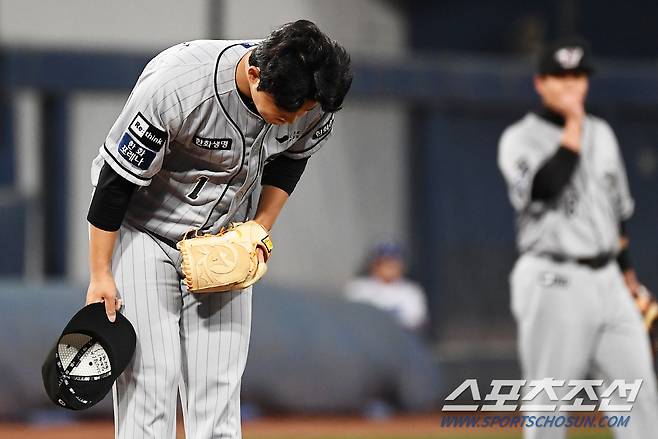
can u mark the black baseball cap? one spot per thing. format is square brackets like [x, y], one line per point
[87, 358]
[567, 55]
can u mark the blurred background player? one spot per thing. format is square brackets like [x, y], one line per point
[567, 183]
[385, 287]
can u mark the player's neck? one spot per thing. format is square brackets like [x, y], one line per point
[241, 79]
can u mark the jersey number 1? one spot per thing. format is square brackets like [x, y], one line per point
[201, 182]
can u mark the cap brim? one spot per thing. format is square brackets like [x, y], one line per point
[118, 338]
[562, 72]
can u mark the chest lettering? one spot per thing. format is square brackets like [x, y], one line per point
[324, 129]
[223, 144]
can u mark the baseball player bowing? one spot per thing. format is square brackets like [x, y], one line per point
[568, 186]
[206, 123]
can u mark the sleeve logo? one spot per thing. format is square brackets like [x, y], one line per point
[223, 144]
[147, 133]
[133, 153]
[324, 129]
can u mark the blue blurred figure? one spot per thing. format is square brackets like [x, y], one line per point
[384, 286]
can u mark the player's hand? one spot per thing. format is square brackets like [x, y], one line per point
[102, 288]
[571, 106]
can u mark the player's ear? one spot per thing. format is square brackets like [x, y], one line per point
[253, 74]
[539, 83]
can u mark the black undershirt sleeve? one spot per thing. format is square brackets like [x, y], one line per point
[623, 228]
[110, 201]
[624, 257]
[554, 175]
[284, 173]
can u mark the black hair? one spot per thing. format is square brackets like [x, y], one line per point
[298, 63]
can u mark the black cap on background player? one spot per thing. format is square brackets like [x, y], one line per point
[566, 56]
[87, 358]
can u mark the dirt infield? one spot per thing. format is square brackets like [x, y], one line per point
[413, 427]
[271, 428]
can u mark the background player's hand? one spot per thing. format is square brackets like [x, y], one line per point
[102, 288]
[569, 103]
[568, 99]
[571, 106]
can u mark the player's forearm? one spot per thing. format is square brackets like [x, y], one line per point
[572, 133]
[101, 246]
[271, 201]
[624, 260]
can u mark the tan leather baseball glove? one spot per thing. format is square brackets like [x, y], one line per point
[227, 261]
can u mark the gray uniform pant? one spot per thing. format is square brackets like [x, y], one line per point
[194, 345]
[574, 322]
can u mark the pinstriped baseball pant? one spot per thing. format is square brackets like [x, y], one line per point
[194, 345]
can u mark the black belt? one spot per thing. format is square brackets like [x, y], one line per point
[595, 262]
[162, 239]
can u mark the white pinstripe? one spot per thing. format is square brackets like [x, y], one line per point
[195, 343]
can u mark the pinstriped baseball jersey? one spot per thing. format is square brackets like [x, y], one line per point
[584, 220]
[192, 145]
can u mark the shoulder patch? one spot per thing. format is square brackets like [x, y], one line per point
[324, 129]
[223, 143]
[147, 133]
[134, 153]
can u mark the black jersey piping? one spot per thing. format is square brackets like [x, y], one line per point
[244, 142]
[318, 140]
[260, 153]
[123, 167]
[308, 132]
